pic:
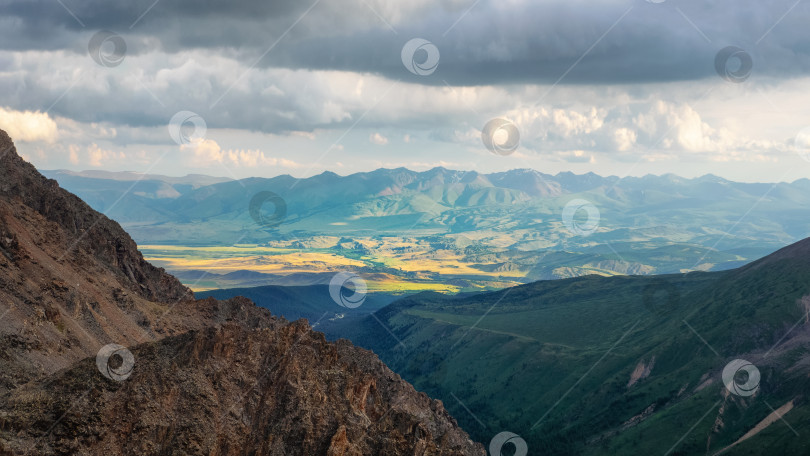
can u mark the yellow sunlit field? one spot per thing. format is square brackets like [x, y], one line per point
[282, 263]
[426, 270]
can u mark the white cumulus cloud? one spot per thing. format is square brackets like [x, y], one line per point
[208, 152]
[28, 126]
[378, 139]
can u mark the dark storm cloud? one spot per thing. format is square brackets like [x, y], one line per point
[494, 43]
[121, 15]
[539, 42]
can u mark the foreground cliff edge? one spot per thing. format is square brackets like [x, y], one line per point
[186, 376]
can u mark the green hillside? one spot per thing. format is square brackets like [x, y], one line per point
[553, 361]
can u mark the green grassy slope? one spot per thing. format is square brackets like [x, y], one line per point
[553, 361]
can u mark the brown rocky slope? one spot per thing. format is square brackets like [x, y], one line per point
[209, 377]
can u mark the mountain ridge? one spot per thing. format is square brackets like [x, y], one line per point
[73, 285]
[135, 175]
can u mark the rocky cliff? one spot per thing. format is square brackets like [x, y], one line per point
[202, 376]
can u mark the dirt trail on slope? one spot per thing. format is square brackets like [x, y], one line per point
[770, 419]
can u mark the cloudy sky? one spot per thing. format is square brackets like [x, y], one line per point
[259, 88]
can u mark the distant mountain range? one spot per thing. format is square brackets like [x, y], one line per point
[386, 193]
[498, 228]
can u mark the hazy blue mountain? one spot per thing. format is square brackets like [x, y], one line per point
[127, 196]
[649, 200]
[192, 180]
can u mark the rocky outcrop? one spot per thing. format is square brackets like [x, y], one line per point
[281, 390]
[209, 377]
[83, 230]
[72, 281]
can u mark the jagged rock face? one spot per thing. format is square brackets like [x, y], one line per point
[72, 281]
[80, 230]
[210, 377]
[227, 391]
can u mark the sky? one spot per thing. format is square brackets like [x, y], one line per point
[245, 88]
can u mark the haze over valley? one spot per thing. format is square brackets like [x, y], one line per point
[445, 230]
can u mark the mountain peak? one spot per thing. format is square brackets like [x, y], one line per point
[328, 174]
[438, 170]
[711, 178]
